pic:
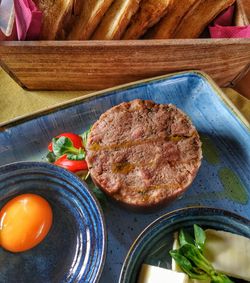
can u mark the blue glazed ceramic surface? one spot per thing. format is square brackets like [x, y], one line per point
[154, 243]
[74, 249]
[223, 180]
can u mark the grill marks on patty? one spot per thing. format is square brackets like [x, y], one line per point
[142, 153]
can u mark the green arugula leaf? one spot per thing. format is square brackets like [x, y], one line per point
[80, 156]
[193, 253]
[186, 266]
[200, 237]
[185, 238]
[50, 157]
[220, 278]
[63, 145]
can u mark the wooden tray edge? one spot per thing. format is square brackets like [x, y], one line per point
[122, 43]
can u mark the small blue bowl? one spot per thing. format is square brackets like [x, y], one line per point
[153, 244]
[75, 248]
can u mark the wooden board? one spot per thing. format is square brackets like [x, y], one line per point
[97, 65]
[92, 65]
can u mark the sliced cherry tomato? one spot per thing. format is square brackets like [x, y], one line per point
[71, 165]
[75, 139]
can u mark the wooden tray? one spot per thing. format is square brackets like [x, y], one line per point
[92, 65]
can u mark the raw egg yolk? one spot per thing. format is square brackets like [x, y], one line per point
[24, 222]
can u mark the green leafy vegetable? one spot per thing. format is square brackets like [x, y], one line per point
[193, 253]
[85, 137]
[187, 266]
[51, 157]
[79, 156]
[220, 278]
[185, 238]
[63, 145]
[200, 237]
[191, 260]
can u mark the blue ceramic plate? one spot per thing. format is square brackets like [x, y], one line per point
[154, 243]
[74, 249]
[223, 180]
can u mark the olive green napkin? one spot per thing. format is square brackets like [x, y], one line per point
[16, 102]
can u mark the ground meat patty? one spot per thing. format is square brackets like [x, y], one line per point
[143, 154]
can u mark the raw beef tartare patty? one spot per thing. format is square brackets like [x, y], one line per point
[143, 154]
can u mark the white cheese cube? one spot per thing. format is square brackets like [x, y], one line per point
[154, 274]
[229, 253]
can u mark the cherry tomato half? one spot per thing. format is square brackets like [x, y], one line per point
[75, 139]
[71, 165]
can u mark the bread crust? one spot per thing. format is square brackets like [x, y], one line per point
[149, 13]
[116, 20]
[165, 29]
[56, 15]
[90, 16]
[199, 16]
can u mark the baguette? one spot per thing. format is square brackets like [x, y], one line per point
[56, 15]
[196, 20]
[90, 16]
[149, 13]
[116, 19]
[165, 29]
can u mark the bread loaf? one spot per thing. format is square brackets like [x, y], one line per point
[116, 19]
[199, 16]
[56, 15]
[90, 16]
[166, 27]
[149, 13]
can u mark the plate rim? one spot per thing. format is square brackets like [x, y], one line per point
[94, 199]
[167, 216]
[75, 101]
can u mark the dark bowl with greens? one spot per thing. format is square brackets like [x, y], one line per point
[154, 244]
